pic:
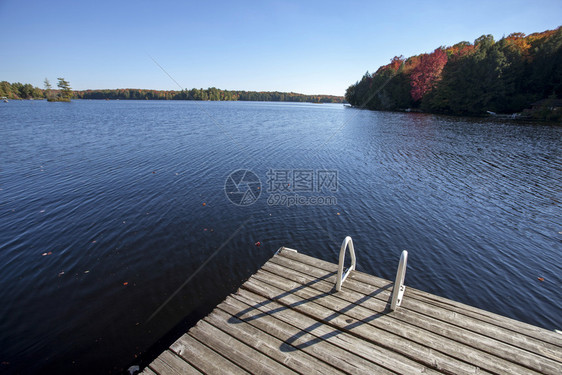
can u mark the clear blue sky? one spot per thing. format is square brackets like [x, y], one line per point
[311, 47]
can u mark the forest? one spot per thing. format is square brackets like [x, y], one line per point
[505, 77]
[211, 93]
[21, 91]
[27, 91]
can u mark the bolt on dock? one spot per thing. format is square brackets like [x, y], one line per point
[289, 318]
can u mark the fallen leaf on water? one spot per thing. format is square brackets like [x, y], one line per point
[86, 271]
[126, 283]
[338, 214]
[61, 273]
[204, 204]
[258, 244]
[540, 278]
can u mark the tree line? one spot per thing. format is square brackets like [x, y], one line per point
[506, 76]
[211, 93]
[27, 91]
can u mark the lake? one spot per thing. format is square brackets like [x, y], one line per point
[110, 209]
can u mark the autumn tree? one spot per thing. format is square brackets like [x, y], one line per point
[427, 73]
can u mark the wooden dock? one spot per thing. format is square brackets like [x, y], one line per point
[287, 319]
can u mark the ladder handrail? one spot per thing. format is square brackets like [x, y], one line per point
[341, 276]
[399, 287]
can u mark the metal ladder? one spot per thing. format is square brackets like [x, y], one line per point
[399, 287]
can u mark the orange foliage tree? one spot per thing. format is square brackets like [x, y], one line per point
[427, 73]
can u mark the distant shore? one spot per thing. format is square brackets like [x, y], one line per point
[14, 91]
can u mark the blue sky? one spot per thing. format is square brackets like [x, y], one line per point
[311, 47]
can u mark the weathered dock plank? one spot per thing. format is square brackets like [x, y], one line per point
[531, 354]
[241, 354]
[265, 315]
[454, 306]
[308, 334]
[432, 310]
[269, 345]
[169, 363]
[204, 358]
[288, 319]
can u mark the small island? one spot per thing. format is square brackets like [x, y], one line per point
[63, 95]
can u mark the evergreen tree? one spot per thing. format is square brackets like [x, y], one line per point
[48, 88]
[65, 90]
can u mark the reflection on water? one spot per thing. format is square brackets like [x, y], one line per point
[107, 208]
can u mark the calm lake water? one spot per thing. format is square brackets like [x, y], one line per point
[108, 207]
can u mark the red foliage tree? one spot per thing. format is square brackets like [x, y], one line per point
[396, 62]
[427, 73]
[459, 50]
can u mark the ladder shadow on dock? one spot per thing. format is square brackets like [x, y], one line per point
[288, 345]
[278, 297]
